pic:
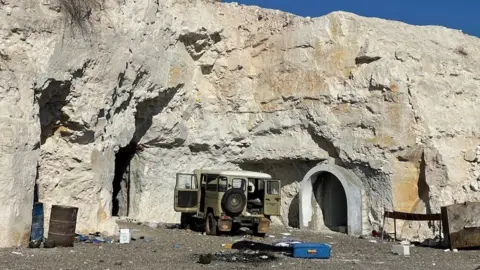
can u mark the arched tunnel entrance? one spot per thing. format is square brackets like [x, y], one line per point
[330, 196]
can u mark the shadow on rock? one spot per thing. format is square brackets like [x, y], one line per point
[293, 213]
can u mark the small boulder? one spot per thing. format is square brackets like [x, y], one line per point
[470, 156]
[205, 258]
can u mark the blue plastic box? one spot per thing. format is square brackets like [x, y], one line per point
[311, 250]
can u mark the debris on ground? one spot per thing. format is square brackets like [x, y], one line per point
[351, 260]
[16, 253]
[285, 242]
[227, 245]
[92, 238]
[431, 242]
[35, 244]
[245, 256]
[172, 226]
[350, 253]
[153, 225]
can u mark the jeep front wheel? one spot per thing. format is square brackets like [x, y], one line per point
[210, 224]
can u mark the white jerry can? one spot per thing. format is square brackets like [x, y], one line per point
[125, 236]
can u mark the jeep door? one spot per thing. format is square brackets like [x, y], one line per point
[212, 194]
[186, 193]
[271, 201]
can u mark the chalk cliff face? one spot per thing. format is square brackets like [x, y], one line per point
[170, 86]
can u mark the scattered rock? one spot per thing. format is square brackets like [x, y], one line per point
[205, 258]
[245, 256]
[35, 244]
[153, 225]
[470, 155]
[49, 243]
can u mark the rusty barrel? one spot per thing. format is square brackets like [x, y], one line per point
[63, 221]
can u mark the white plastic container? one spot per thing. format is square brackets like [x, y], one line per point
[401, 250]
[125, 236]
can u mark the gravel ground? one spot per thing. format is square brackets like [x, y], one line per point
[167, 248]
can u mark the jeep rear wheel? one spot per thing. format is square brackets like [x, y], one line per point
[211, 224]
[233, 202]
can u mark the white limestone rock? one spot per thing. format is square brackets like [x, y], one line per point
[218, 85]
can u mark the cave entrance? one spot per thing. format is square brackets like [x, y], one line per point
[330, 195]
[338, 193]
[121, 180]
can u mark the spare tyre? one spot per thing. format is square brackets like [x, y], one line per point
[234, 201]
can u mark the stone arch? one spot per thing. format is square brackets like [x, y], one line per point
[352, 186]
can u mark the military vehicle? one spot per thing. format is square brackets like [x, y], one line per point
[226, 200]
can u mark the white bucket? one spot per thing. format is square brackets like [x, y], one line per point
[125, 236]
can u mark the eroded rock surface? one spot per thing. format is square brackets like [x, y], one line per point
[199, 84]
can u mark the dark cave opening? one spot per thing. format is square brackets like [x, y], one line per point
[332, 199]
[121, 180]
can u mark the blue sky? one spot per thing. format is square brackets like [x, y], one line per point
[460, 14]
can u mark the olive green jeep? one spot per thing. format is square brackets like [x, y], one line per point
[224, 201]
